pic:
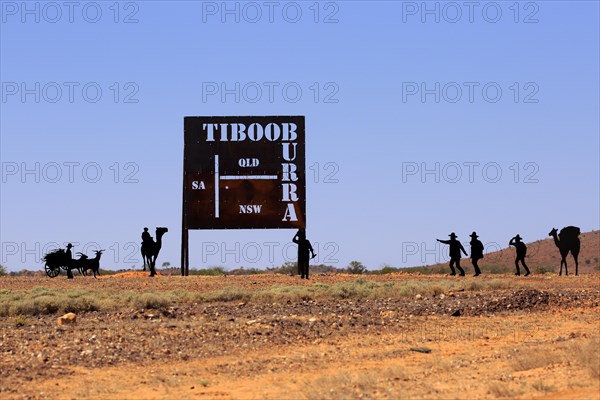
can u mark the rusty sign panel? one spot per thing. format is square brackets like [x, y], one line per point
[244, 172]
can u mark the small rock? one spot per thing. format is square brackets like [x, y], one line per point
[456, 313]
[425, 350]
[68, 318]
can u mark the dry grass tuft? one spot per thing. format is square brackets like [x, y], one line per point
[526, 359]
[541, 386]
[346, 385]
[587, 355]
[503, 390]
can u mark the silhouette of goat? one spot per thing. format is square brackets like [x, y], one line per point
[92, 264]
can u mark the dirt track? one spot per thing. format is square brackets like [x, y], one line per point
[537, 339]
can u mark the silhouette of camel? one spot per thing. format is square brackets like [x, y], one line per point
[567, 240]
[150, 250]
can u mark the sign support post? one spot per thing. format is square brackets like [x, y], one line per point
[185, 267]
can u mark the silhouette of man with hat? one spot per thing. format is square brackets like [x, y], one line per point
[521, 253]
[455, 249]
[69, 260]
[476, 252]
[304, 247]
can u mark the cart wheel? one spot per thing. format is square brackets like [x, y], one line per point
[52, 272]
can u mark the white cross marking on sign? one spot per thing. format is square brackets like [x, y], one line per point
[233, 178]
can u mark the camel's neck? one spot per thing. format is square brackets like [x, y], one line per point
[159, 239]
[556, 242]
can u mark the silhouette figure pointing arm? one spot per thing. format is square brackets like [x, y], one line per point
[463, 249]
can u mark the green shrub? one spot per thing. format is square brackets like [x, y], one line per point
[214, 271]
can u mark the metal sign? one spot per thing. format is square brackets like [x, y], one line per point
[243, 173]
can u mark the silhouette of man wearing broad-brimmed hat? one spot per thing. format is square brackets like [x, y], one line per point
[476, 252]
[304, 247]
[521, 253]
[69, 260]
[455, 249]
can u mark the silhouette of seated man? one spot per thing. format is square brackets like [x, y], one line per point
[304, 247]
[146, 237]
[521, 253]
[455, 249]
[476, 252]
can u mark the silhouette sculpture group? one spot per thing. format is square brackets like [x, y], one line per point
[304, 247]
[566, 241]
[63, 259]
[150, 248]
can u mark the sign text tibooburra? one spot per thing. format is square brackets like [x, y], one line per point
[244, 172]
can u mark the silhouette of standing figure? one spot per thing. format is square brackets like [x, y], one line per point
[304, 247]
[455, 249]
[69, 260]
[521, 252]
[476, 252]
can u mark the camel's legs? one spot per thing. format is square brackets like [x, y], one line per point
[575, 253]
[152, 261]
[563, 261]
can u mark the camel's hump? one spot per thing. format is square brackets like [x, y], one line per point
[570, 231]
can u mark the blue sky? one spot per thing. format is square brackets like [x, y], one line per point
[368, 125]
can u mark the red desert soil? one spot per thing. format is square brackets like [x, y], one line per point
[535, 337]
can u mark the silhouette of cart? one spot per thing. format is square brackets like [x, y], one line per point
[59, 259]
